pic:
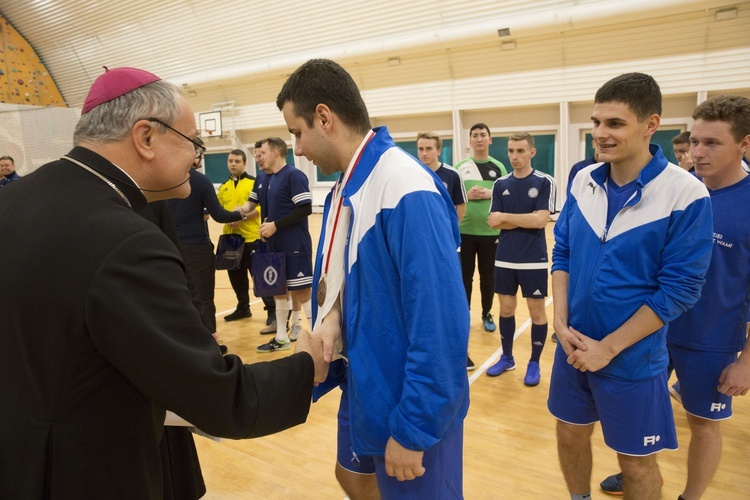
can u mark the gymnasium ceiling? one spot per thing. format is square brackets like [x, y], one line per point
[220, 50]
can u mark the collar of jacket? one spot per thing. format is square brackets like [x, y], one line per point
[112, 172]
[653, 168]
[379, 143]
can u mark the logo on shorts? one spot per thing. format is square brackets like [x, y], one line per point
[533, 193]
[270, 275]
[651, 440]
[718, 406]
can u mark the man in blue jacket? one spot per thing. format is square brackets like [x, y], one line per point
[390, 233]
[632, 245]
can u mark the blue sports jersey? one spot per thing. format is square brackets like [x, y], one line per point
[512, 195]
[453, 183]
[717, 321]
[259, 195]
[287, 189]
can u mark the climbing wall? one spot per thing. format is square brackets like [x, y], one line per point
[23, 77]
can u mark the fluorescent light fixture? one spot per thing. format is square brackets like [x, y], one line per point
[724, 14]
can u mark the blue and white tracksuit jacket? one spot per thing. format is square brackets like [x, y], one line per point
[406, 318]
[655, 252]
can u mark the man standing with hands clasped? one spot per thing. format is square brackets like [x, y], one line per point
[405, 393]
[632, 245]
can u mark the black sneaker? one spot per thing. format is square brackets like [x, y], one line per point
[489, 323]
[554, 338]
[237, 314]
[469, 364]
[612, 485]
[223, 348]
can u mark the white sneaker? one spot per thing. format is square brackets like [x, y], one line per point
[294, 331]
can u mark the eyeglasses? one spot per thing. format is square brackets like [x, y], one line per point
[199, 150]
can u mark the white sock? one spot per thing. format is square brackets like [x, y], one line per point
[296, 317]
[307, 307]
[282, 312]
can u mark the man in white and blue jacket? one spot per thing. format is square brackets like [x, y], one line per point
[632, 245]
[387, 285]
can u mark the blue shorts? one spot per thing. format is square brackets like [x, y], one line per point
[636, 417]
[443, 463]
[698, 373]
[443, 477]
[299, 271]
[533, 282]
[345, 455]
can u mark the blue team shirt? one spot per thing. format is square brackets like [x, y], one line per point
[512, 195]
[617, 197]
[283, 191]
[717, 321]
[453, 183]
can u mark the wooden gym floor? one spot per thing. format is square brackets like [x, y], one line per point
[509, 442]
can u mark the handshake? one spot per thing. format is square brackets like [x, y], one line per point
[246, 209]
[321, 343]
[315, 347]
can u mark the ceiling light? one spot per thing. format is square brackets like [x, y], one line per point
[724, 14]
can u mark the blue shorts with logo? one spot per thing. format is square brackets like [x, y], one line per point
[299, 271]
[636, 417]
[533, 282]
[443, 463]
[699, 373]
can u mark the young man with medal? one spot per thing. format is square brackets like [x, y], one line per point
[388, 293]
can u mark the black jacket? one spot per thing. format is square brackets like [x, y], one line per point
[98, 335]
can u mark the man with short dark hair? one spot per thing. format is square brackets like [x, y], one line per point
[8, 172]
[521, 205]
[232, 194]
[681, 148]
[286, 202]
[704, 341]
[397, 310]
[478, 240]
[85, 384]
[632, 245]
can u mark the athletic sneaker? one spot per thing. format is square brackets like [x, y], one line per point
[554, 337]
[533, 374]
[505, 364]
[294, 331]
[612, 485]
[274, 345]
[674, 390]
[469, 364]
[489, 323]
[269, 329]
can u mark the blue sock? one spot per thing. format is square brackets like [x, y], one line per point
[507, 330]
[538, 338]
